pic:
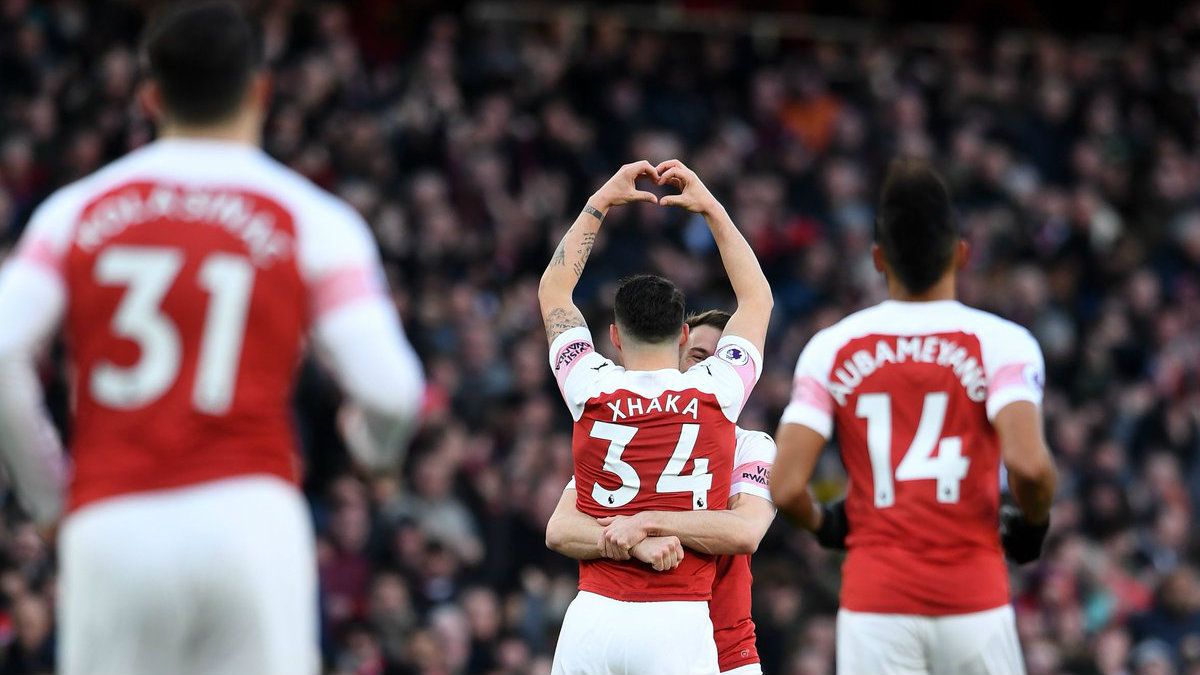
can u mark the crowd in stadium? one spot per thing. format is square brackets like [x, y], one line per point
[470, 146]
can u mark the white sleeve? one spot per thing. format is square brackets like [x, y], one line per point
[752, 464]
[570, 484]
[736, 367]
[577, 366]
[32, 302]
[338, 258]
[359, 335]
[1016, 370]
[811, 404]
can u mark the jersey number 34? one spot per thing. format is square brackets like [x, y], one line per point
[699, 482]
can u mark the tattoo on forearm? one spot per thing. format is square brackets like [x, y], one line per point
[560, 253]
[584, 250]
[561, 319]
[593, 211]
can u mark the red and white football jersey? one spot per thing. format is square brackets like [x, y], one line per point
[729, 608]
[193, 270]
[911, 389]
[658, 440]
[730, 605]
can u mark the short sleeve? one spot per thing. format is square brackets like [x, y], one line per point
[752, 464]
[811, 404]
[577, 366]
[570, 484]
[1016, 371]
[338, 257]
[736, 367]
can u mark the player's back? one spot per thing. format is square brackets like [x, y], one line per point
[911, 389]
[193, 270]
[652, 440]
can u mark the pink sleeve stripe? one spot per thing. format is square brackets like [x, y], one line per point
[41, 253]
[1008, 376]
[342, 287]
[748, 372]
[568, 356]
[754, 473]
[808, 390]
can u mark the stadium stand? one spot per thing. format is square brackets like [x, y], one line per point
[468, 139]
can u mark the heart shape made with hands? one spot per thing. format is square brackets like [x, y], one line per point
[668, 174]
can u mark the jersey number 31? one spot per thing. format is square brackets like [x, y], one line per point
[148, 272]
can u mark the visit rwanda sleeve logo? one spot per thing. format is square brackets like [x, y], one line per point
[568, 354]
[734, 354]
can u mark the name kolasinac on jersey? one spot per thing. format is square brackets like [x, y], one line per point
[249, 217]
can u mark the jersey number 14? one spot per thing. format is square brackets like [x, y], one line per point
[918, 463]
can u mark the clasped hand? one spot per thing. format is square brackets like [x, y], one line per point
[626, 537]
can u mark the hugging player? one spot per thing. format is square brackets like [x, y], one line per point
[648, 437]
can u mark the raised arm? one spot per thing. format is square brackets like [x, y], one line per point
[566, 266]
[750, 287]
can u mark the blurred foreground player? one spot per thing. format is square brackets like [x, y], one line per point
[648, 437]
[927, 397]
[189, 275]
[657, 538]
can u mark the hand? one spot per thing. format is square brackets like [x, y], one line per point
[611, 552]
[621, 188]
[360, 444]
[661, 553]
[833, 526]
[622, 533]
[49, 532]
[1021, 539]
[693, 195]
[352, 425]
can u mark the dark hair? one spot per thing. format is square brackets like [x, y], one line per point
[202, 55]
[915, 227]
[717, 318]
[649, 308]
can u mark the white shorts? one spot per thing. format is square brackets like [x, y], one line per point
[748, 669]
[213, 578]
[980, 643]
[602, 636]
